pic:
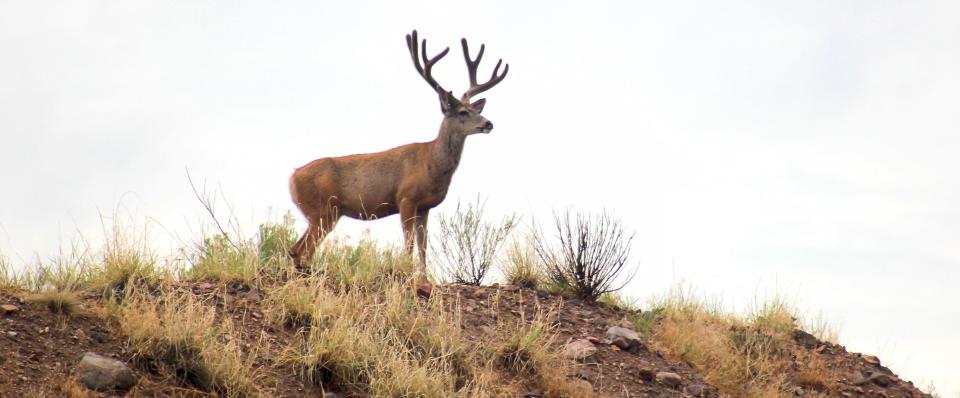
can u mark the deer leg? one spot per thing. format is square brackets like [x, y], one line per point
[303, 251]
[408, 218]
[421, 227]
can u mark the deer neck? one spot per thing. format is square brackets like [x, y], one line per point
[447, 148]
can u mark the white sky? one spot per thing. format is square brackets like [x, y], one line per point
[805, 148]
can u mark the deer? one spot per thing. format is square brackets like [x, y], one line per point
[409, 179]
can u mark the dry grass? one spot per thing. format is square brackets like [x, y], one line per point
[525, 349]
[382, 343]
[742, 356]
[180, 335]
[57, 301]
[126, 264]
[364, 266]
[521, 267]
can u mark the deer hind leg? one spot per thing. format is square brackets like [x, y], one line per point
[303, 250]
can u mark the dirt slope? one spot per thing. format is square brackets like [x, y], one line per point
[39, 350]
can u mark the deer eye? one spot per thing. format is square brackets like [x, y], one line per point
[464, 113]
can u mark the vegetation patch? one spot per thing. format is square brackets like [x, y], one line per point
[181, 335]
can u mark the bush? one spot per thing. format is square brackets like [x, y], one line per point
[467, 245]
[589, 255]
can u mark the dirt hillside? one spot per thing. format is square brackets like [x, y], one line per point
[40, 350]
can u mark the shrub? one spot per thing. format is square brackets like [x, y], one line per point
[466, 246]
[589, 254]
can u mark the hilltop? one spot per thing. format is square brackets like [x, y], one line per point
[237, 323]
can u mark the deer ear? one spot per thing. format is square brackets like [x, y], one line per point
[478, 104]
[448, 102]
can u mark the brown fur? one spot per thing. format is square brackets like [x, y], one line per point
[410, 179]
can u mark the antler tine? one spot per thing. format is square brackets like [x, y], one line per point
[472, 65]
[425, 71]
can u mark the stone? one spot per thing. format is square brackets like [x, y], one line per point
[205, 286]
[626, 339]
[101, 373]
[669, 379]
[595, 340]
[881, 379]
[858, 378]
[479, 294]
[798, 391]
[701, 391]
[647, 374]
[9, 309]
[872, 360]
[579, 350]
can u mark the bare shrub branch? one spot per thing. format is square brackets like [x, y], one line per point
[588, 255]
[466, 246]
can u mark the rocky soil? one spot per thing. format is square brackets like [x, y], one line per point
[41, 353]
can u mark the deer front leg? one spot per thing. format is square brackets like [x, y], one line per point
[408, 218]
[421, 227]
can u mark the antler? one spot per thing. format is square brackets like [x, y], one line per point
[428, 62]
[472, 68]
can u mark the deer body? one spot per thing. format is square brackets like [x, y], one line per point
[410, 179]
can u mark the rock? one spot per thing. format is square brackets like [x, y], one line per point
[858, 378]
[798, 391]
[881, 379]
[9, 309]
[701, 391]
[102, 373]
[543, 294]
[479, 294]
[579, 350]
[205, 286]
[626, 339]
[805, 339]
[647, 374]
[669, 379]
[595, 340]
[424, 289]
[485, 329]
[872, 360]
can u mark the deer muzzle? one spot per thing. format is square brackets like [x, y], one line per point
[487, 127]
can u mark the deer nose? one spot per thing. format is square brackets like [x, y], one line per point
[488, 126]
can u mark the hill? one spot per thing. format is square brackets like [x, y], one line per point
[237, 323]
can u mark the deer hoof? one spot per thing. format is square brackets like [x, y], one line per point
[424, 289]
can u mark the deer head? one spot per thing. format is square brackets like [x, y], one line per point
[461, 116]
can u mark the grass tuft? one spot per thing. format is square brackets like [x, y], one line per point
[62, 302]
[521, 267]
[181, 335]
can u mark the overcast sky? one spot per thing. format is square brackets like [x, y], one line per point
[804, 148]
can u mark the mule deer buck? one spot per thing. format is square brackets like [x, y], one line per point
[410, 179]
